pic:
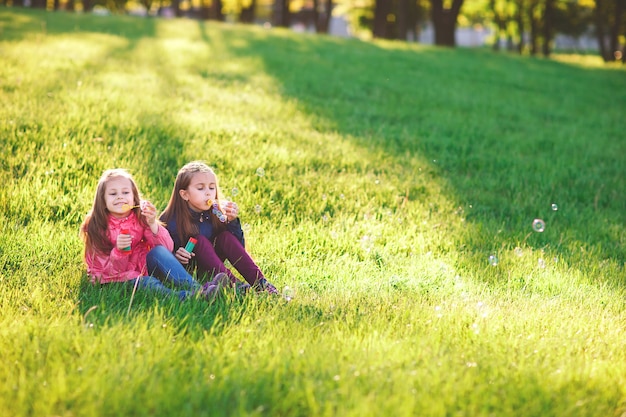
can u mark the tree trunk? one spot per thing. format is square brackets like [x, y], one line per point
[248, 13]
[501, 29]
[88, 5]
[281, 14]
[615, 28]
[316, 15]
[216, 10]
[413, 15]
[402, 20]
[205, 10]
[328, 13]
[496, 20]
[381, 9]
[520, 25]
[444, 21]
[38, 4]
[148, 5]
[548, 14]
[176, 8]
[533, 30]
[600, 30]
[322, 18]
[444, 30]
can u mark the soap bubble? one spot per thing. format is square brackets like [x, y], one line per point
[257, 208]
[260, 172]
[554, 207]
[539, 225]
[216, 210]
[493, 260]
[367, 243]
[518, 251]
[234, 191]
[288, 293]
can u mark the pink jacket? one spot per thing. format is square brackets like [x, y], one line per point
[119, 266]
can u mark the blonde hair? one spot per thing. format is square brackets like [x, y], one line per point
[94, 227]
[177, 208]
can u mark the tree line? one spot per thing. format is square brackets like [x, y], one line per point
[527, 26]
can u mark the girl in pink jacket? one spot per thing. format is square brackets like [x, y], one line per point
[125, 243]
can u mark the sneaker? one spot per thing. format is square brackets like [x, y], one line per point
[242, 288]
[264, 285]
[212, 288]
[209, 291]
[222, 280]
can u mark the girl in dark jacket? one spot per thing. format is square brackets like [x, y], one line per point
[195, 211]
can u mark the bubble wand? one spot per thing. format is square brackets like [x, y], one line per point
[127, 207]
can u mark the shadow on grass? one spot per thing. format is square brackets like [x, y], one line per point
[105, 305]
[544, 142]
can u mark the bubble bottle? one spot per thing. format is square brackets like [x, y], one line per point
[127, 250]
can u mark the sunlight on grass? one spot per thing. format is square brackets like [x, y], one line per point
[589, 61]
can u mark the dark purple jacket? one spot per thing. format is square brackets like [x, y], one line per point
[205, 227]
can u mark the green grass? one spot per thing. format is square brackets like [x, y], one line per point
[392, 172]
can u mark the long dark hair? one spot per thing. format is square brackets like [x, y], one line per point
[94, 227]
[177, 208]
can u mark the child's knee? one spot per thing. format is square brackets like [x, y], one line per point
[226, 238]
[157, 252]
[202, 242]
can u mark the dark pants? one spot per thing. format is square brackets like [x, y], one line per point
[210, 257]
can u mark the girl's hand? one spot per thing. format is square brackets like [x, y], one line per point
[183, 256]
[148, 211]
[231, 210]
[123, 241]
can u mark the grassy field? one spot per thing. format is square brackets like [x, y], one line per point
[396, 200]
